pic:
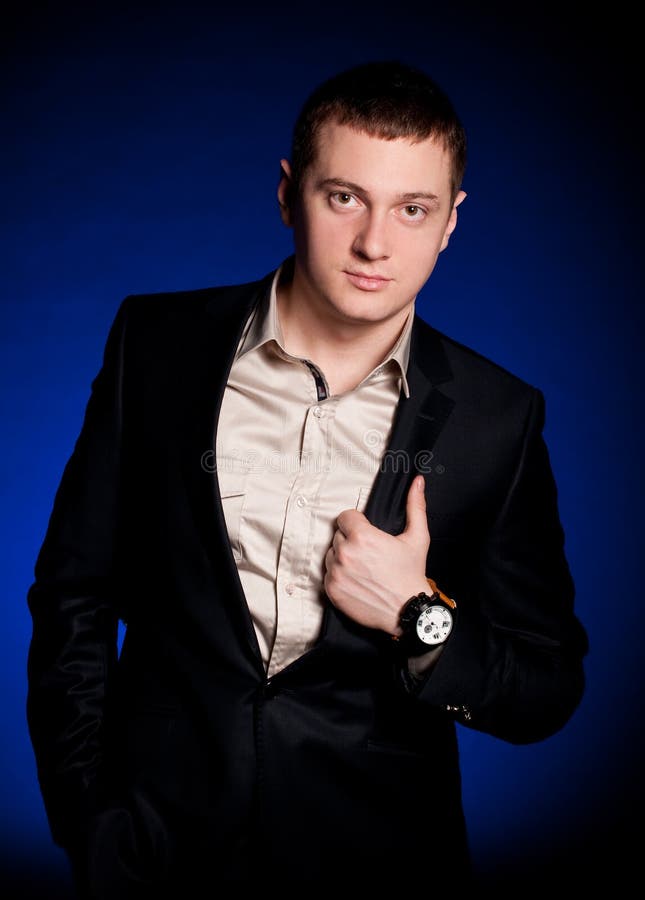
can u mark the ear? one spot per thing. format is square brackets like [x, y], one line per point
[285, 192]
[452, 220]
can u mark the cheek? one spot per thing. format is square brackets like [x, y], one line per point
[321, 236]
[419, 252]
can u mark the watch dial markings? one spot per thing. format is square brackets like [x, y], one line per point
[434, 625]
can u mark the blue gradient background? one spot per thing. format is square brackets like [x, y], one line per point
[140, 152]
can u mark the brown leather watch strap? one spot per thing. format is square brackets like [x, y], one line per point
[444, 597]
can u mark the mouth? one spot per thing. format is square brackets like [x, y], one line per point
[365, 281]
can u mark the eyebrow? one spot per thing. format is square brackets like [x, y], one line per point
[357, 189]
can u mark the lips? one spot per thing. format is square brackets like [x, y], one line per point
[365, 281]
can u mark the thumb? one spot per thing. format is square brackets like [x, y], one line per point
[416, 525]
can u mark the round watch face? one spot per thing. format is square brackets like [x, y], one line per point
[434, 625]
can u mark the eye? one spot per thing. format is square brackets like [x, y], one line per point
[412, 211]
[342, 198]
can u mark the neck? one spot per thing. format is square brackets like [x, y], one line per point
[346, 351]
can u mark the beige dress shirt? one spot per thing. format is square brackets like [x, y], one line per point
[290, 458]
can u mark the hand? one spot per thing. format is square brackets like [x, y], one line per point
[370, 574]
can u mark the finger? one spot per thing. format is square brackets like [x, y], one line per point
[349, 520]
[338, 539]
[416, 524]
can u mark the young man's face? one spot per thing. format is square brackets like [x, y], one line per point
[369, 222]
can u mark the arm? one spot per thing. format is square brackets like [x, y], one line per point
[513, 665]
[73, 648]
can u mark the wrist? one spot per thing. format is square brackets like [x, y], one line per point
[425, 586]
[415, 588]
[426, 620]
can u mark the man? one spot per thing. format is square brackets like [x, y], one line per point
[310, 607]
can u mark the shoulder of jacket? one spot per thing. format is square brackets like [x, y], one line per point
[188, 303]
[472, 365]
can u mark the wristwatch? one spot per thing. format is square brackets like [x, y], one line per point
[426, 621]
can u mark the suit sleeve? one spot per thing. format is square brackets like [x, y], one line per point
[73, 648]
[514, 665]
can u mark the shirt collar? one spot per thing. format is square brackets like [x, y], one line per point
[264, 327]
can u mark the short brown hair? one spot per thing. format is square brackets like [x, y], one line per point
[387, 99]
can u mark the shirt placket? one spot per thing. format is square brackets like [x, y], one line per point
[295, 561]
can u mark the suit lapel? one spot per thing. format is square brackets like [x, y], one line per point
[212, 353]
[418, 422]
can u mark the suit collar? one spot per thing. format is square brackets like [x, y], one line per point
[428, 359]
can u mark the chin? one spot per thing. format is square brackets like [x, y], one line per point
[364, 316]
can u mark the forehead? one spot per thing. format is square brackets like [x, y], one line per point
[400, 165]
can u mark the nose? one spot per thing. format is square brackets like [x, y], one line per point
[372, 240]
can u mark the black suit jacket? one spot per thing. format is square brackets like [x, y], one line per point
[178, 758]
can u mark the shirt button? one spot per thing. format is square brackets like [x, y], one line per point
[317, 411]
[290, 588]
[301, 501]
